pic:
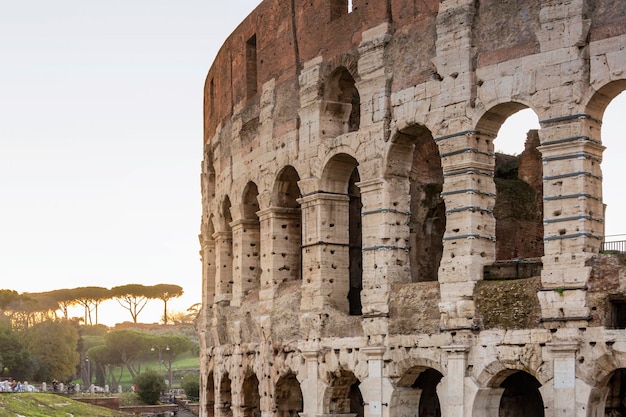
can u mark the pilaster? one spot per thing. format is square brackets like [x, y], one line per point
[325, 245]
[376, 389]
[246, 268]
[453, 384]
[469, 240]
[280, 257]
[563, 399]
[573, 216]
[224, 266]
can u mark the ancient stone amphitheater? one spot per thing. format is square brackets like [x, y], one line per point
[367, 253]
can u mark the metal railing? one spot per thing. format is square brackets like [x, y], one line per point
[617, 246]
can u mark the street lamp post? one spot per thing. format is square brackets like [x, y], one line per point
[169, 362]
[88, 371]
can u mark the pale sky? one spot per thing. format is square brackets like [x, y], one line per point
[101, 143]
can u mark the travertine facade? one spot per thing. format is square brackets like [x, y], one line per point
[352, 247]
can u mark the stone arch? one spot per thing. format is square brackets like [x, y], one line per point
[341, 176]
[288, 396]
[509, 389]
[209, 260]
[251, 397]
[413, 157]
[599, 101]
[517, 209]
[247, 244]
[342, 395]
[208, 174]
[209, 388]
[286, 191]
[610, 191]
[341, 103]
[250, 201]
[285, 225]
[224, 401]
[224, 253]
[416, 393]
[606, 377]
[225, 213]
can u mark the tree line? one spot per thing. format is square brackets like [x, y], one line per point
[27, 309]
[63, 350]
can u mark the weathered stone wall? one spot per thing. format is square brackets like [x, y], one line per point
[351, 209]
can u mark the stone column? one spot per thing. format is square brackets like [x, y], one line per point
[207, 254]
[246, 249]
[469, 240]
[376, 389]
[325, 258]
[280, 257]
[223, 266]
[573, 216]
[452, 389]
[312, 406]
[564, 399]
[385, 231]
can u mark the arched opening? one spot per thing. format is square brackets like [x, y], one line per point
[427, 381]
[513, 201]
[613, 162]
[340, 208]
[250, 201]
[342, 104]
[417, 393]
[355, 245]
[428, 214]
[210, 396]
[521, 396]
[518, 209]
[344, 396]
[414, 158]
[223, 408]
[226, 215]
[247, 241]
[208, 263]
[519, 181]
[251, 405]
[224, 254]
[287, 228]
[615, 403]
[288, 395]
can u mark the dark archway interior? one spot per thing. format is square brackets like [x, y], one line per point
[356, 253]
[521, 397]
[289, 402]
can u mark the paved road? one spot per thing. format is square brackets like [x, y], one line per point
[184, 413]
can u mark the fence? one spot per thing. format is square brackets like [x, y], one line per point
[618, 246]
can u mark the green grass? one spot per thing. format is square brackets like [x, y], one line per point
[49, 405]
[184, 363]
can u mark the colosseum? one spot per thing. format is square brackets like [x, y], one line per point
[366, 252]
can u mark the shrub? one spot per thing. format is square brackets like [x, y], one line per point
[149, 384]
[191, 385]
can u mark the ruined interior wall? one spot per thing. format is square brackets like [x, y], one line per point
[505, 29]
[606, 17]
